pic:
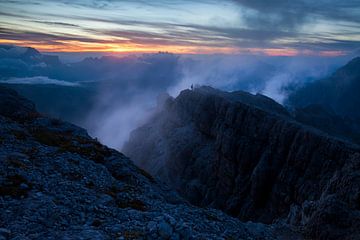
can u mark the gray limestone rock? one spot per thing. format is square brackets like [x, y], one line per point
[244, 154]
[56, 182]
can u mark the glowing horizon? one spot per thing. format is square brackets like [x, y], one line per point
[116, 49]
[182, 27]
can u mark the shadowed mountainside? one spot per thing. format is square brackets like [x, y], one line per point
[331, 104]
[246, 155]
[339, 92]
[58, 183]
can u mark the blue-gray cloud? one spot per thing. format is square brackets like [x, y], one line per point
[38, 80]
[290, 14]
[264, 24]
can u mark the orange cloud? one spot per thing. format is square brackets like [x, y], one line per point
[332, 53]
[78, 46]
[274, 51]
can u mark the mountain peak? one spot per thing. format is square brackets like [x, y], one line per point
[350, 70]
[57, 182]
[230, 151]
[258, 100]
[339, 92]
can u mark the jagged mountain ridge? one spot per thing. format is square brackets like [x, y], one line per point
[58, 183]
[25, 62]
[339, 92]
[226, 152]
[331, 104]
[329, 121]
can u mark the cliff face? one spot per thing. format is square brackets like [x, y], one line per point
[246, 156]
[58, 183]
[340, 91]
[331, 104]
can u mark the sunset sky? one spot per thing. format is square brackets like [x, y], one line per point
[278, 27]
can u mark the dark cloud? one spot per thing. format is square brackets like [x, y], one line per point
[288, 15]
[282, 14]
[327, 44]
[57, 23]
[192, 34]
[267, 24]
[7, 14]
[46, 38]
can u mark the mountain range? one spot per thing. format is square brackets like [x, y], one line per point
[331, 104]
[206, 164]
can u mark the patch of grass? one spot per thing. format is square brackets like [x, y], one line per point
[74, 161]
[16, 163]
[147, 175]
[13, 186]
[29, 117]
[112, 191]
[132, 203]
[229, 238]
[31, 153]
[49, 138]
[211, 217]
[129, 188]
[92, 152]
[90, 185]
[55, 122]
[123, 177]
[19, 135]
[33, 115]
[74, 176]
[66, 142]
[96, 223]
[133, 235]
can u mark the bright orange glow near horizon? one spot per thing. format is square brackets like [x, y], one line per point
[181, 27]
[76, 46]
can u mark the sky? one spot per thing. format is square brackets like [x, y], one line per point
[277, 27]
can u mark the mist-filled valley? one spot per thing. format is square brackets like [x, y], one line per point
[112, 95]
[179, 120]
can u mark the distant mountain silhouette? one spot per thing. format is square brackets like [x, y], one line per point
[17, 62]
[331, 104]
[25, 62]
[120, 78]
[339, 92]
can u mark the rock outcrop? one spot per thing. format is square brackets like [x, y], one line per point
[340, 91]
[244, 154]
[58, 183]
[331, 104]
[329, 121]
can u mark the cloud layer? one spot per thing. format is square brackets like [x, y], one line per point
[278, 27]
[38, 80]
[115, 95]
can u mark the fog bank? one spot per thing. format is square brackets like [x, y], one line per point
[124, 103]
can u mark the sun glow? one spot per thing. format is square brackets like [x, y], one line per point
[77, 46]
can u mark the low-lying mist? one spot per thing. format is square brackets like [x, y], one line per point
[125, 103]
[111, 96]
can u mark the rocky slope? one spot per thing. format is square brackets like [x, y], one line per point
[329, 121]
[331, 104]
[340, 91]
[247, 156]
[58, 183]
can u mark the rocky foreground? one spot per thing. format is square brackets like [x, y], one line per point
[58, 183]
[246, 155]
